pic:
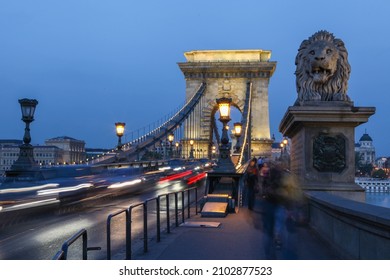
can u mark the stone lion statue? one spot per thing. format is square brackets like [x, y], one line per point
[323, 70]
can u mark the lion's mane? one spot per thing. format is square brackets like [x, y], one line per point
[335, 87]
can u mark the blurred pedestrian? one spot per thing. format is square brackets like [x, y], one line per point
[264, 177]
[280, 197]
[260, 162]
[251, 182]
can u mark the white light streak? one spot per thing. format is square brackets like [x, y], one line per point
[125, 184]
[32, 204]
[64, 189]
[33, 188]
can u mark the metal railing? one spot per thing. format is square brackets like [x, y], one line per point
[109, 219]
[246, 121]
[63, 253]
[146, 141]
[129, 218]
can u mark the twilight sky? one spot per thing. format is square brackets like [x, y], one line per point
[91, 63]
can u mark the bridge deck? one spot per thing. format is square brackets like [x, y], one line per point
[239, 237]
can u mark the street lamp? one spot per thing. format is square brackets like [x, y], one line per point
[25, 162]
[224, 163]
[281, 149]
[213, 151]
[177, 149]
[283, 146]
[120, 129]
[170, 139]
[237, 133]
[28, 110]
[285, 157]
[191, 149]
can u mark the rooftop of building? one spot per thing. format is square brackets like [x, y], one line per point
[9, 141]
[15, 146]
[365, 137]
[63, 138]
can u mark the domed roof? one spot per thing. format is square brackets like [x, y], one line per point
[365, 137]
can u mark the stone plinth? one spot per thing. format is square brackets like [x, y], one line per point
[322, 143]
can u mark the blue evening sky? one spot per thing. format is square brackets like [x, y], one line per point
[91, 63]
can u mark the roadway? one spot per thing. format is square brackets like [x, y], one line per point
[38, 233]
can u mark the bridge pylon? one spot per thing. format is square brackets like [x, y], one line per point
[227, 74]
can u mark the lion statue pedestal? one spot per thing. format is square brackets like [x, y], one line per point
[322, 122]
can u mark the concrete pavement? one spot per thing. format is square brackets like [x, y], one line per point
[239, 236]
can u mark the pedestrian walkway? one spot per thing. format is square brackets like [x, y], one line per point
[238, 237]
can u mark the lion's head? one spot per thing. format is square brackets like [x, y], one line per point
[322, 69]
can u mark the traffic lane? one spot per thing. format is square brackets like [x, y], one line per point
[62, 191]
[43, 237]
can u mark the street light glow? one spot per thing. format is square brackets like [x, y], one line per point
[224, 108]
[120, 128]
[237, 129]
[171, 137]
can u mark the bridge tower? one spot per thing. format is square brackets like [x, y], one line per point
[227, 74]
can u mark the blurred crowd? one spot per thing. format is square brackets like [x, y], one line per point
[276, 192]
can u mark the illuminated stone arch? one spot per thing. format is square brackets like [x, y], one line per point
[226, 74]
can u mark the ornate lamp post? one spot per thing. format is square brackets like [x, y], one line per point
[237, 133]
[191, 149]
[213, 151]
[224, 163]
[25, 163]
[284, 156]
[281, 150]
[283, 146]
[177, 149]
[170, 139]
[120, 129]
[28, 110]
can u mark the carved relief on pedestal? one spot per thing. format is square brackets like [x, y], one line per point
[329, 153]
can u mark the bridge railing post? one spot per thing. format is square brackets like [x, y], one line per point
[168, 214]
[109, 219]
[176, 211]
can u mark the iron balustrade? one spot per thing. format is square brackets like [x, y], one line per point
[144, 205]
[148, 140]
[63, 253]
[109, 218]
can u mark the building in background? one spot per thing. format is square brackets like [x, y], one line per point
[365, 150]
[43, 155]
[382, 162]
[73, 149]
[48, 155]
[59, 150]
[10, 142]
[9, 153]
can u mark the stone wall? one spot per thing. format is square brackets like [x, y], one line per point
[356, 230]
